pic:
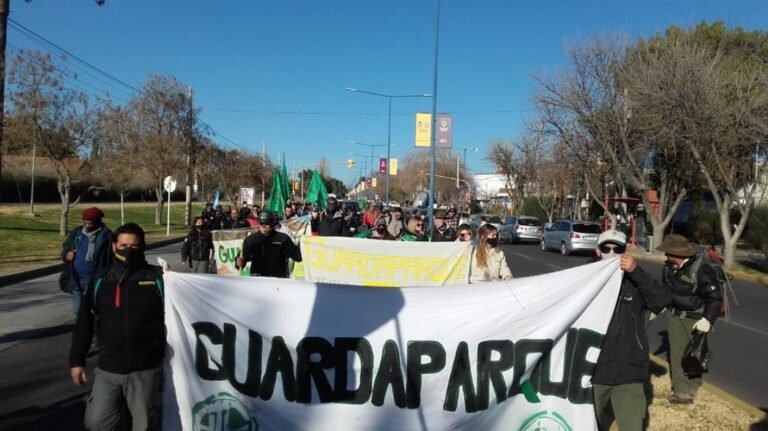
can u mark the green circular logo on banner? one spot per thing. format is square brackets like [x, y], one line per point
[222, 412]
[546, 421]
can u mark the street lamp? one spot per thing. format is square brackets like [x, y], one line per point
[389, 118]
[475, 149]
[373, 157]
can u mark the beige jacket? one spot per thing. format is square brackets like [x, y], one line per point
[496, 270]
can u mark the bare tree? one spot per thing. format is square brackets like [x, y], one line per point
[158, 117]
[591, 109]
[61, 119]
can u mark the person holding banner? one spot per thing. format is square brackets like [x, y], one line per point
[268, 250]
[623, 366]
[127, 302]
[441, 231]
[488, 261]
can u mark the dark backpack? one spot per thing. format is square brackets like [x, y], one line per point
[703, 258]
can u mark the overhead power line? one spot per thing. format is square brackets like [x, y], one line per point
[91, 69]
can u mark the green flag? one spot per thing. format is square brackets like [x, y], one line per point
[287, 191]
[317, 194]
[277, 196]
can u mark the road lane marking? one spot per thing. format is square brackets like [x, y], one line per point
[746, 327]
[523, 256]
[555, 266]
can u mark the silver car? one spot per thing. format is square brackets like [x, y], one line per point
[571, 235]
[520, 228]
[478, 220]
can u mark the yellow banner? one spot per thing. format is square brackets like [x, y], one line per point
[392, 166]
[366, 262]
[423, 129]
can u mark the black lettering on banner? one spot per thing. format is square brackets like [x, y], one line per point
[581, 367]
[308, 370]
[523, 348]
[390, 374]
[363, 349]
[279, 361]
[415, 368]
[253, 376]
[461, 377]
[541, 378]
[489, 372]
[214, 334]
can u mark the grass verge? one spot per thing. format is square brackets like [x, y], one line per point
[33, 241]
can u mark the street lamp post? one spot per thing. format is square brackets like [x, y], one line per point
[475, 149]
[389, 98]
[373, 157]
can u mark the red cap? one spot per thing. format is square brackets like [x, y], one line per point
[93, 214]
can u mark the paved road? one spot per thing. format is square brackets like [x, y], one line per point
[36, 321]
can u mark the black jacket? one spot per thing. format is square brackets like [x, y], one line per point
[702, 301]
[331, 226]
[131, 328]
[624, 355]
[447, 235]
[269, 253]
[197, 245]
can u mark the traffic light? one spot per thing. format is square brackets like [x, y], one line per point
[350, 163]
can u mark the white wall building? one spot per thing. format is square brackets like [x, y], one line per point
[490, 186]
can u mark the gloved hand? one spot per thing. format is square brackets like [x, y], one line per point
[702, 325]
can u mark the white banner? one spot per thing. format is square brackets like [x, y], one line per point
[365, 262]
[272, 354]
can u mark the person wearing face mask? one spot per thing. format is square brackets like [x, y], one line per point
[127, 301]
[464, 233]
[85, 252]
[623, 367]
[441, 231]
[488, 261]
[331, 221]
[696, 300]
[197, 247]
[268, 250]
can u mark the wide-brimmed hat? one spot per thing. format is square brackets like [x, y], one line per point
[677, 245]
[440, 214]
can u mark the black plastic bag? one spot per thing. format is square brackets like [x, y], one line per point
[696, 356]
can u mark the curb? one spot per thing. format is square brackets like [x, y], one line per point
[17, 277]
[722, 394]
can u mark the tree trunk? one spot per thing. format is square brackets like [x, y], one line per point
[64, 187]
[159, 206]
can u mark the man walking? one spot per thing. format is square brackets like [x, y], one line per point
[85, 252]
[696, 300]
[197, 247]
[127, 301]
[268, 250]
[331, 221]
[441, 231]
[623, 366]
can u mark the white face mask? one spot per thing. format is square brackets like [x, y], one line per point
[609, 255]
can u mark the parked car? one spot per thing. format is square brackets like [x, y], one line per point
[474, 221]
[569, 236]
[520, 229]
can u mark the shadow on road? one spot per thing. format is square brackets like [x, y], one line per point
[664, 346]
[763, 424]
[67, 411]
[30, 334]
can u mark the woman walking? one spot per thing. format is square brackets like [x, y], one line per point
[488, 261]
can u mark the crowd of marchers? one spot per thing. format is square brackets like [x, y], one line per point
[117, 297]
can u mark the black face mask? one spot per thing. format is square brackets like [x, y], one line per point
[331, 208]
[129, 257]
[493, 242]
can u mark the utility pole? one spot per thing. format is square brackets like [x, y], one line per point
[4, 7]
[191, 158]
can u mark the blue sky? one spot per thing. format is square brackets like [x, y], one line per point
[274, 72]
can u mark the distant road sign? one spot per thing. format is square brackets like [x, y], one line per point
[169, 184]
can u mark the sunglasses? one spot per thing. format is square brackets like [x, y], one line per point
[618, 249]
[465, 235]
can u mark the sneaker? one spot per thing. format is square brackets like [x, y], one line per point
[680, 399]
